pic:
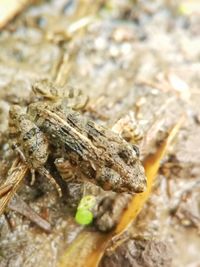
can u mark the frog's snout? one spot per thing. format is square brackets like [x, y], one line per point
[140, 187]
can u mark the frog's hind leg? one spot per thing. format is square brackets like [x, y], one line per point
[46, 173]
[65, 169]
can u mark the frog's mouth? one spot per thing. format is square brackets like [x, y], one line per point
[137, 185]
[133, 189]
[140, 187]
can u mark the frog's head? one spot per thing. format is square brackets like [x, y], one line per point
[133, 180]
[124, 171]
[131, 169]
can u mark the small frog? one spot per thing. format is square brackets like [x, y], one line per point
[96, 153]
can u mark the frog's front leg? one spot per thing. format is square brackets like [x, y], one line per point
[45, 172]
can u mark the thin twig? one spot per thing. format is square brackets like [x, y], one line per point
[16, 174]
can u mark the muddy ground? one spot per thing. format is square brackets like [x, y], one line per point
[140, 57]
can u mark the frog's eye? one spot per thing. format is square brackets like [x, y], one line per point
[123, 154]
[84, 216]
[126, 154]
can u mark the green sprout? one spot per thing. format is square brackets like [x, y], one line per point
[84, 216]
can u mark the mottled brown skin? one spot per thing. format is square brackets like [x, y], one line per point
[30, 142]
[99, 154]
[28, 137]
